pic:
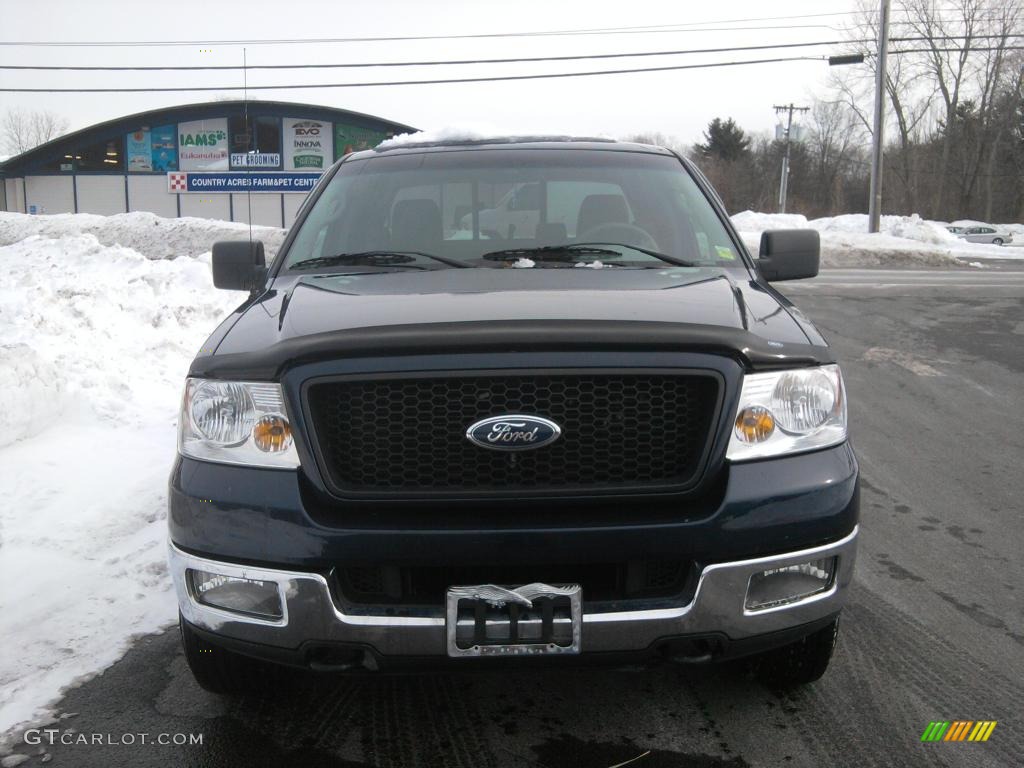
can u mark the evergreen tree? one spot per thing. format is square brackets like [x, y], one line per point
[724, 140]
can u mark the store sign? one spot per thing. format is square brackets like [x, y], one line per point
[255, 160]
[139, 151]
[308, 145]
[203, 145]
[352, 138]
[241, 181]
[164, 148]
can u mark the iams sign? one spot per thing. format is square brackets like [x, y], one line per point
[207, 139]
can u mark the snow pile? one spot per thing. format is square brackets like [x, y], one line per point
[753, 221]
[152, 236]
[33, 391]
[97, 342]
[903, 241]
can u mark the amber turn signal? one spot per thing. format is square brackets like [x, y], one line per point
[272, 434]
[754, 424]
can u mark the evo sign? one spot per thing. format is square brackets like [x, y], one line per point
[308, 145]
[241, 181]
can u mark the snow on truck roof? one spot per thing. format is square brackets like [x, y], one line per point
[460, 137]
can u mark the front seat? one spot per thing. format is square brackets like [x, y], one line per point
[550, 233]
[416, 226]
[601, 209]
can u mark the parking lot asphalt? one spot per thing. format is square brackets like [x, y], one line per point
[934, 362]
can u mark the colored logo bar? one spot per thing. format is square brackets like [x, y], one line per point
[958, 730]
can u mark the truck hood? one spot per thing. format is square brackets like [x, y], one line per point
[316, 316]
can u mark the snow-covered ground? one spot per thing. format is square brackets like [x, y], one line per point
[100, 318]
[904, 241]
[151, 235]
[95, 345]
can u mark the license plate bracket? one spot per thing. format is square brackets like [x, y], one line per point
[531, 620]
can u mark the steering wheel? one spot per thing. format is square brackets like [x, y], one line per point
[612, 232]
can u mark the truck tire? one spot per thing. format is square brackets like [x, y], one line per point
[221, 671]
[801, 662]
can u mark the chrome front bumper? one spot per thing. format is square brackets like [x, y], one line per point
[311, 614]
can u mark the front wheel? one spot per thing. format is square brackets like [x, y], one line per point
[801, 662]
[997, 241]
[221, 671]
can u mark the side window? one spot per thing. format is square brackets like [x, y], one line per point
[526, 198]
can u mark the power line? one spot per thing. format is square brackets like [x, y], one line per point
[389, 39]
[988, 49]
[362, 65]
[680, 26]
[509, 60]
[544, 76]
[713, 25]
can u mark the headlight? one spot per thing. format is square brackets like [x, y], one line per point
[236, 423]
[788, 412]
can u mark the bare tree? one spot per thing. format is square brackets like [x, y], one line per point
[908, 90]
[22, 130]
[658, 139]
[949, 87]
[835, 142]
[965, 51]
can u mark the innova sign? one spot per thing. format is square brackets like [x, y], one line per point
[308, 145]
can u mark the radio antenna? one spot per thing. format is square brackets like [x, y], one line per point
[248, 139]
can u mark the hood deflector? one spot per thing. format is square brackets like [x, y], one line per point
[753, 352]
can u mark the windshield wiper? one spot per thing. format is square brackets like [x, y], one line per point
[402, 259]
[569, 251]
[656, 254]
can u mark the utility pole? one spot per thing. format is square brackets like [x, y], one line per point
[875, 198]
[784, 184]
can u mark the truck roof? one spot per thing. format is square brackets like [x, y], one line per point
[426, 142]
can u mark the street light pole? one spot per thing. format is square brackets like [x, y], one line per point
[877, 139]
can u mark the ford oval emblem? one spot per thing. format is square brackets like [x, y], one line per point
[513, 432]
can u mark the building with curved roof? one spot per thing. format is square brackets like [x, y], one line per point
[216, 160]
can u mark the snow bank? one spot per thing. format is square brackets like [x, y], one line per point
[752, 221]
[33, 392]
[903, 241]
[97, 341]
[146, 233]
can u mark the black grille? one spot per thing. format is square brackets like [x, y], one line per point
[600, 582]
[408, 434]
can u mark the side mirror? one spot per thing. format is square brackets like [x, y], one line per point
[789, 254]
[239, 265]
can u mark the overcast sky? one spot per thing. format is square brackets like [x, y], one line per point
[676, 103]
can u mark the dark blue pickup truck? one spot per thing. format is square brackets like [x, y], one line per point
[499, 400]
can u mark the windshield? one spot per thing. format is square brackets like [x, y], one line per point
[511, 207]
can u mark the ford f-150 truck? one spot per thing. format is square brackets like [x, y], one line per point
[423, 443]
